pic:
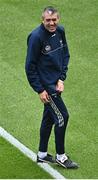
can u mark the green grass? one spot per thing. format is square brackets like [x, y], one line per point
[17, 166]
[21, 109]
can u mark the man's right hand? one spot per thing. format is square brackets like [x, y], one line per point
[44, 96]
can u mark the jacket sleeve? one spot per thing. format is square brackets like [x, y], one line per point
[33, 54]
[66, 57]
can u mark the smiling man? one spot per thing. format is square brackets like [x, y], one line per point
[50, 20]
[46, 67]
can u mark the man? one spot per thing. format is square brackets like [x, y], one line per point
[46, 66]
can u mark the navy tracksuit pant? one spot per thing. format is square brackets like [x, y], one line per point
[55, 112]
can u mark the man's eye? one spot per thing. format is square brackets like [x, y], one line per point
[54, 19]
[48, 20]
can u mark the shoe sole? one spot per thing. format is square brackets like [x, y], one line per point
[44, 161]
[58, 162]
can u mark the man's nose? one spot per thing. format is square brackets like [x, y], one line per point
[51, 22]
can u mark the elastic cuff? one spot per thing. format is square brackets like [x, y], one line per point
[41, 91]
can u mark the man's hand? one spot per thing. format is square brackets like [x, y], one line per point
[60, 86]
[44, 97]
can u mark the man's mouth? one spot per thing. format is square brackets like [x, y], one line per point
[52, 27]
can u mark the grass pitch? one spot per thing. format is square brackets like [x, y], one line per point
[21, 109]
[14, 165]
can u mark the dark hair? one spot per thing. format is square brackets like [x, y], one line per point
[49, 9]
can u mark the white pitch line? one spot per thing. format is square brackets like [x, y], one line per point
[54, 173]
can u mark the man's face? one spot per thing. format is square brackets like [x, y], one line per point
[50, 21]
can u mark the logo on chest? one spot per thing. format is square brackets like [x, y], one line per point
[61, 42]
[47, 48]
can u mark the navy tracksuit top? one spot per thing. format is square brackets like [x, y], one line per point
[47, 58]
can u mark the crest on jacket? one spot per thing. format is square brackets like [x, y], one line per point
[47, 48]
